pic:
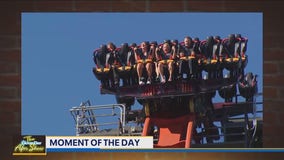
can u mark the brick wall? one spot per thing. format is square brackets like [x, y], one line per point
[10, 67]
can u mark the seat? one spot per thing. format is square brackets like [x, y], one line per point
[173, 132]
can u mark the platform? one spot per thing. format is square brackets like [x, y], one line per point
[169, 89]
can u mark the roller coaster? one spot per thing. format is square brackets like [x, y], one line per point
[179, 112]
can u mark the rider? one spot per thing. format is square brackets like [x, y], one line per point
[165, 57]
[242, 52]
[187, 58]
[101, 71]
[230, 48]
[127, 61]
[113, 61]
[210, 48]
[144, 59]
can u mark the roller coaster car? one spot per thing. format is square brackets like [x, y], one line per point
[101, 72]
[230, 60]
[244, 60]
[144, 61]
[208, 62]
[232, 63]
[248, 86]
[228, 92]
[128, 75]
[124, 68]
[166, 61]
[187, 57]
[242, 49]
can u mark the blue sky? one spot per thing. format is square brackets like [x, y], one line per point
[57, 55]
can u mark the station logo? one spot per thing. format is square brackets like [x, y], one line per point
[29, 145]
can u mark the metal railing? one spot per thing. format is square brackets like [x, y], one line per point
[86, 120]
[236, 129]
